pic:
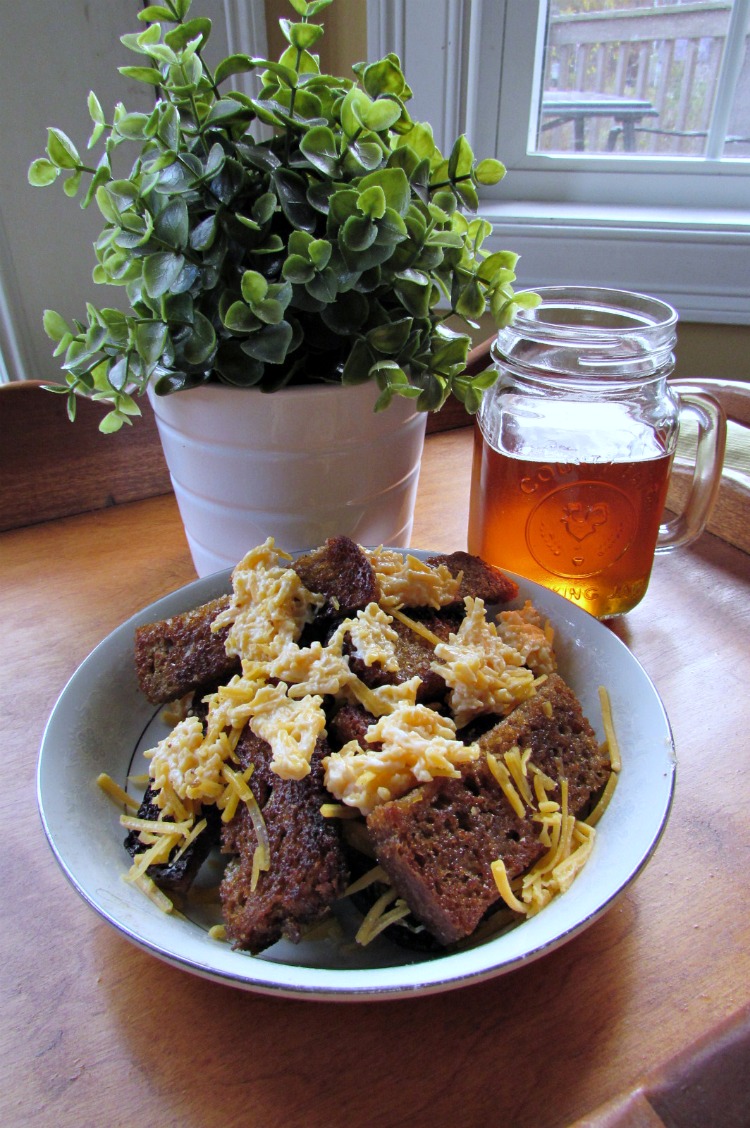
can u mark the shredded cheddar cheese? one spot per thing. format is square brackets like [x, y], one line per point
[414, 745]
[373, 637]
[526, 632]
[406, 581]
[269, 606]
[485, 675]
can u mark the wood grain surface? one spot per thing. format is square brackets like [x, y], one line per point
[96, 1032]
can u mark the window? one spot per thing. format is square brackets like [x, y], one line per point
[606, 201]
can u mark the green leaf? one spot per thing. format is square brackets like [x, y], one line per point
[319, 146]
[320, 251]
[391, 337]
[303, 36]
[149, 75]
[382, 114]
[358, 233]
[42, 172]
[420, 140]
[234, 64]
[171, 225]
[132, 126]
[61, 150]
[150, 340]
[179, 37]
[270, 344]
[239, 318]
[291, 192]
[72, 183]
[264, 208]
[160, 270]
[367, 154]
[371, 202]
[395, 186]
[468, 194]
[96, 113]
[297, 270]
[201, 342]
[384, 77]
[111, 422]
[357, 365]
[55, 326]
[254, 286]
[154, 12]
[471, 301]
[489, 171]
[352, 108]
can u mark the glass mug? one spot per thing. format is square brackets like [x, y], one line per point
[573, 447]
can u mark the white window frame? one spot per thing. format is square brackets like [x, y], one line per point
[677, 229]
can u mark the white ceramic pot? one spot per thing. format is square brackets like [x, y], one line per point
[300, 465]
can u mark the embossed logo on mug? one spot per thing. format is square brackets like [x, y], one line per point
[579, 530]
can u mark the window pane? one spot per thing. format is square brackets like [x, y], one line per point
[645, 77]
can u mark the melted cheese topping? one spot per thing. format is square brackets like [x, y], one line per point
[373, 638]
[414, 745]
[184, 769]
[315, 669]
[269, 606]
[531, 636]
[485, 675]
[406, 581]
[385, 698]
[291, 727]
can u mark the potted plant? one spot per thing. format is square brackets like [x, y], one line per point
[325, 257]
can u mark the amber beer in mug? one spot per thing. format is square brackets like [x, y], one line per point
[574, 443]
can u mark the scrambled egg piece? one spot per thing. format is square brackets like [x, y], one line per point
[484, 674]
[417, 744]
[406, 581]
[269, 606]
[531, 636]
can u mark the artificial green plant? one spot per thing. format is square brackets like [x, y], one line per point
[335, 248]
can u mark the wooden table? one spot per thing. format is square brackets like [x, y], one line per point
[643, 1017]
[561, 106]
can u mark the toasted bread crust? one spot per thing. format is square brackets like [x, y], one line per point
[479, 579]
[438, 843]
[308, 871]
[341, 572]
[177, 656]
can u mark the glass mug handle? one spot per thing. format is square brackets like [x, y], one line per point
[709, 460]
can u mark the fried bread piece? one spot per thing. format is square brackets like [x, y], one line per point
[341, 572]
[414, 654]
[438, 842]
[174, 657]
[176, 876]
[308, 871]
[479, 579]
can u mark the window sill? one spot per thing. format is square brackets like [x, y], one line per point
[696, 259]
